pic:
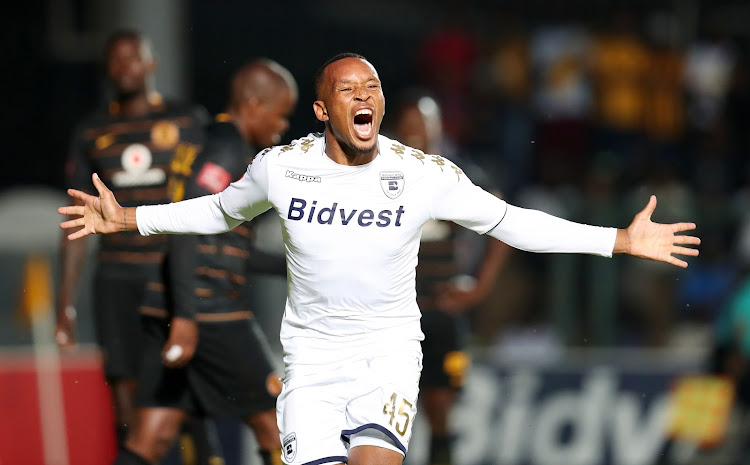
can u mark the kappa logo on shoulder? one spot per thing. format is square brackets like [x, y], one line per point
[289, 446]
[392, 183]
[302, 177]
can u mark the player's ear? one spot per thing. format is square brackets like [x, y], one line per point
[319, 107]
[253, 103]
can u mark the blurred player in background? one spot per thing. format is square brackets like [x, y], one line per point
[131, 144]
[204, 353]
[352, 204]
[451, 278]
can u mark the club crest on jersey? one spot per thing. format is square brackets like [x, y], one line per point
[392, 183]
[165, 135]
[136, 163]
[289, 446]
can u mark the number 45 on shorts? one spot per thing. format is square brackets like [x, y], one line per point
[390, 409]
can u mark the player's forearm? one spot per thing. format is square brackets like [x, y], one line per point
[72, 256]
[535, 231]
[201, 215]
[496, 256]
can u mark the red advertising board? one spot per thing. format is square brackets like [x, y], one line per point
[56, 409]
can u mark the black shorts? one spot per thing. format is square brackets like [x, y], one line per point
[444, 361]
[118, 323]
[230, 375]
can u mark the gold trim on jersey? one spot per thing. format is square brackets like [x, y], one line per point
[235, 251]
[207, 248]
[203, 292]
[125, 127]
[221, 317]
[104, 141]
[151, 311]
[131, 257]
[154, 286]
[219, 273]
[243, 231]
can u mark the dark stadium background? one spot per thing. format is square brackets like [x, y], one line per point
[550, 362]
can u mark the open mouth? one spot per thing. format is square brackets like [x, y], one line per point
[363, 123]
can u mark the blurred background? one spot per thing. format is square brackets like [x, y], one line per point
[579, 108]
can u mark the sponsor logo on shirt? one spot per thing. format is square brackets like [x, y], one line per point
[392, 183]
[302, 177]
[289, 445]
[299, 211]
[213, 178]
[136, 163]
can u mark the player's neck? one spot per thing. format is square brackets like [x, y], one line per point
[235, 118]
[136, 104]
[346, 155]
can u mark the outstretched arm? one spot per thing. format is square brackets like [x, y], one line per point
[535, 231]
[655, 241]
[103, 215]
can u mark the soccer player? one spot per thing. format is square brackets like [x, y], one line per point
[352, 204]
[203, 351]
[131, 144]
[445, 290]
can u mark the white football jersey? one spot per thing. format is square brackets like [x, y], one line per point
[352, 235]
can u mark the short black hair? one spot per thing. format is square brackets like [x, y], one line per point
[318, 79]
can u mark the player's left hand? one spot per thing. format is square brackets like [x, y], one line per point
[94, 214]
[184, 334]
[456, 296]
[454, 301]
[656, 241]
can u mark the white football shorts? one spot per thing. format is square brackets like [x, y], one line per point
[373, 401]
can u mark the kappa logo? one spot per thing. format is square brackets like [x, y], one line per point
[392, 183]
[289, 445]
[136, 162]
[302, 177]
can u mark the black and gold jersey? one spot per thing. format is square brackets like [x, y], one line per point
[133, 156]
[205, 276]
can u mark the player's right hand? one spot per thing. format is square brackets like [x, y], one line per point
[183, 332]
[98, 215]
[65, 328]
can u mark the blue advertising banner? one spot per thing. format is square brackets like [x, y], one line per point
[567, 414]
